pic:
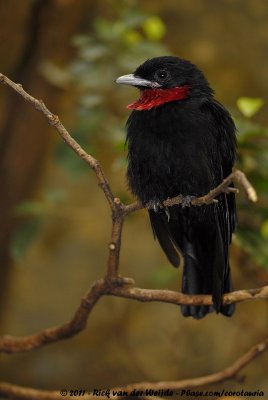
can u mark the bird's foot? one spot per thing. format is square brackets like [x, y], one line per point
[187, 200]
[154, 205]
[166, 209]
[157, 206]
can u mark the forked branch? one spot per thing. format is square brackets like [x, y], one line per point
[114, 285]
[94, 164]
[120, 287]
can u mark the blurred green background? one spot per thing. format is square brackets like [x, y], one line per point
[55, 223]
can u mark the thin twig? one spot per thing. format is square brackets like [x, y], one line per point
[54, 121]
[10, 344]
[119, 287]
[236, 176]
[94, 164]
[226, 374]
[123, 287]
[23, 393]
[178, 298]
[209, 198]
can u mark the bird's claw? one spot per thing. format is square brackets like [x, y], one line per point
[156, 206]
[186, 201]
[166, 209]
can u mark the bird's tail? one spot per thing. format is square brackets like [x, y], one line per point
[205, 254]
[207, 271]
[193, 282]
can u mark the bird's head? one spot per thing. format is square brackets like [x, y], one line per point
[166, 79]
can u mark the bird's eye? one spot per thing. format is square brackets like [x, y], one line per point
[162, 75]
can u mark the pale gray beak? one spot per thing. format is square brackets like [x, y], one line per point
[133, 80]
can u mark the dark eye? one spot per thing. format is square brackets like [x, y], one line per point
[162, 75]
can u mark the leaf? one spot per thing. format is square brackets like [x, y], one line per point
[30, 207]
[55, 196]
[255, 244]
[70, 161]
[132, 37]
[23, 237]
[249, 106]
[93, 53]
[248, 129]
[91, 101]
[264, 229]
[54, 74]
[154, 28]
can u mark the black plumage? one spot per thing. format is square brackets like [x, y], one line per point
[182, 141]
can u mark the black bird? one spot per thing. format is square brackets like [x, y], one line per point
[182, 141]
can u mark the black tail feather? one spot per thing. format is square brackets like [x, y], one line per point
[228, 309]
[205, 253]
[160, 230]
[193, 282]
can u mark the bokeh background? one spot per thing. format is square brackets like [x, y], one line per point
[55, 223]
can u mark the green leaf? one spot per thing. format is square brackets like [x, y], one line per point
[264, 229]
[55, 196]
[70, 161]
[255, 244]
[132, 37]
[154, 28]
[23, 237]
[249, 106]
[30, 207]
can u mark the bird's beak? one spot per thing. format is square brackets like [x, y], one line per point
[133, 80]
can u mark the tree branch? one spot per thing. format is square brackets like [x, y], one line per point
[9, 344]
[94, 164]
[20, 393]
[113, 285]
[54, 121]
[226, 374]
[209, 198]
[178, 298]
[119, 287]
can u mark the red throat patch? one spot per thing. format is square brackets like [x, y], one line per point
[151, 98]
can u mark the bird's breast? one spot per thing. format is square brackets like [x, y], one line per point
[168, 154]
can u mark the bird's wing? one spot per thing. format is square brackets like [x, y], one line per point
[225, 210]
[161, 231]
[225, 132]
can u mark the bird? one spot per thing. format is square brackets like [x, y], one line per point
[182, 141]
